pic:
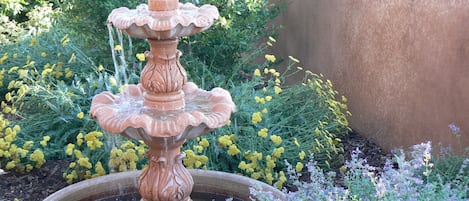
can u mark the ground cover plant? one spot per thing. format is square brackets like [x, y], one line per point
[48, 78]
[410, 180]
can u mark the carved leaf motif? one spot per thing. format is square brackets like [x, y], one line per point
[165, 180]
[163, 77]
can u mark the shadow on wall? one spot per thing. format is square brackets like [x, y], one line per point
[403, 64]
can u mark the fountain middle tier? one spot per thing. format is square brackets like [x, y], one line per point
[126, 113]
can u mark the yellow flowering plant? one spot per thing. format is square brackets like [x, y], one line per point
[274, 123]
[17, 154]
[46, 84]
[90, 157]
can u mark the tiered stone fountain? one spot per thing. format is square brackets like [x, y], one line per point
[163, 110]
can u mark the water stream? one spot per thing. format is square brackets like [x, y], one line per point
[118, 54]
[120, 75]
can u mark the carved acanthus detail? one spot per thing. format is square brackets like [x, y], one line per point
[163, 76]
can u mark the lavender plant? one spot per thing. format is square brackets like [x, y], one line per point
[407, 181]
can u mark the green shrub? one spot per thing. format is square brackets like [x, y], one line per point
[220, 49]
[229, 47]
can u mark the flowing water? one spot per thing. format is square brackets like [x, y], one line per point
[118, 54]
[120, 65]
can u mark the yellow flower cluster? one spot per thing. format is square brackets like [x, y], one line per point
[203, 142]
[253, 167]
[92, 140]
[256, 171]
[140, 57]
[3, 58]
[257, 72]
[2, 76]
[81, 169]
[260, 100]
[80, 115]
[122, 158]
[195, 159]
[299, 166]
[14, 157]
[226, 140]
[276, 139]
[54, 70]
[271, 41]
[302, 155]
[270, 58]
[44, 140]
[127, 156]
[11, 97]
[233, 150]
[38, 157]
[263, 132]
[256, 117]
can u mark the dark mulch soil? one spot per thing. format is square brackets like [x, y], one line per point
[35, 185]
[370, 151]
[40, 183]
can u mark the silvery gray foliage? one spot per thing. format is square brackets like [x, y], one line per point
[407, 182]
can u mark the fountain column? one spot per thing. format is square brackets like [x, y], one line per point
[163, 76]
[163, 5]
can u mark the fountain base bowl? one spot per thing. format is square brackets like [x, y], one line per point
[206, 183]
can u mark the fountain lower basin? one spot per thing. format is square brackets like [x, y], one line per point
[121, 186]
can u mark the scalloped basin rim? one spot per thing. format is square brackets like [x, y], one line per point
[141, 22]
[205, 181]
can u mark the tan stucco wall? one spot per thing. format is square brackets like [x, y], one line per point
[402, 64]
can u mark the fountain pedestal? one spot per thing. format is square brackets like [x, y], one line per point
[165, 178]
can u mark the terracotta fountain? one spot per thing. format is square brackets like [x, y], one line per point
[164, 109]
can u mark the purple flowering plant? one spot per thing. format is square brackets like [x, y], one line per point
[404, 177]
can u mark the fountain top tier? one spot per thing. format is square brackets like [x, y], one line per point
[163, 19]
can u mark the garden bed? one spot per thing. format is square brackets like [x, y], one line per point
[42, 182]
